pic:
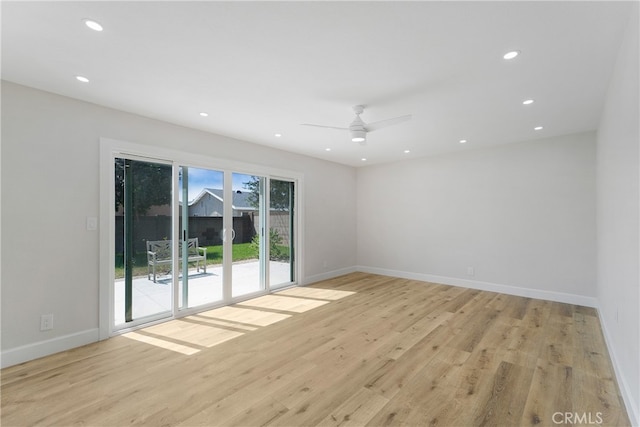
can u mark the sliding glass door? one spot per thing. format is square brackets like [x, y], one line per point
[281, 233]
[143, 251]
[247, 224]
[220, 236]
[201, 236]
[184, 238]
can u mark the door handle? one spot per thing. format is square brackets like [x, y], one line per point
[224, 234]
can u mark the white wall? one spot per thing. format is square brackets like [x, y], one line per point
[522, 215]
[618, 189]
[50, 184]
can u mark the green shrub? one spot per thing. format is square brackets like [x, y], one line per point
[277, 251]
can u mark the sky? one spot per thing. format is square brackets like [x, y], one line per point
[206, 178]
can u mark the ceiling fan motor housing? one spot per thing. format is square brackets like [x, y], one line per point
[358, 136]
[356, 128]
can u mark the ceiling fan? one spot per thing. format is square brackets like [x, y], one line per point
[359, 129]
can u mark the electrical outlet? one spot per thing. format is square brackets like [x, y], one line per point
[46, 322]
[471, 271]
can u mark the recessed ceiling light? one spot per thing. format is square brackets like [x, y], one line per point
[277, 135]
[538, 128]
[93, 25]
[327, 149]
[407, 151]
[527, 102]
[512, 54]
[364, 159]
[203, 114]
[82, 79]
[463, 141]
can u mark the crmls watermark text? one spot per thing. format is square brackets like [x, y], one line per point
[577, 418]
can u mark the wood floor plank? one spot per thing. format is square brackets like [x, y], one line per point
[427, 397]
[505, 401]
[357, 410]
[551, 392]
[510, 305]
[417, 331]
[359, 349]
[590, 388]
[395, 374]
[559, 342]
[222, 410]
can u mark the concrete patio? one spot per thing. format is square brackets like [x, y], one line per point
[151, 298]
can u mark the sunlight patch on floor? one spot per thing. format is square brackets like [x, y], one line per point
[191, 334]
[216, 321]
[317, 293]
[245, 315]
[168, 345]
[284, 303]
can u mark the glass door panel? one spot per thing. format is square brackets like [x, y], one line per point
[247, 272]
[201, 236]
[281, 227]
[143, 249]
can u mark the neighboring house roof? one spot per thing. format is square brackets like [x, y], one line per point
[240, 198]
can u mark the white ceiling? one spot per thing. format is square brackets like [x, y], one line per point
[261, 68]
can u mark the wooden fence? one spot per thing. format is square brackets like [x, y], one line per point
[207, 229]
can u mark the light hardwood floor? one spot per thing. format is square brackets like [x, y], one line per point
[360, 349]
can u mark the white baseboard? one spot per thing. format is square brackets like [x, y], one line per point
[632, 407]
[14, 356]
[486, 286]
[328, 275]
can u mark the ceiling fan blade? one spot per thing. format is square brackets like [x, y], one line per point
[370, 127]
[322, 126]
